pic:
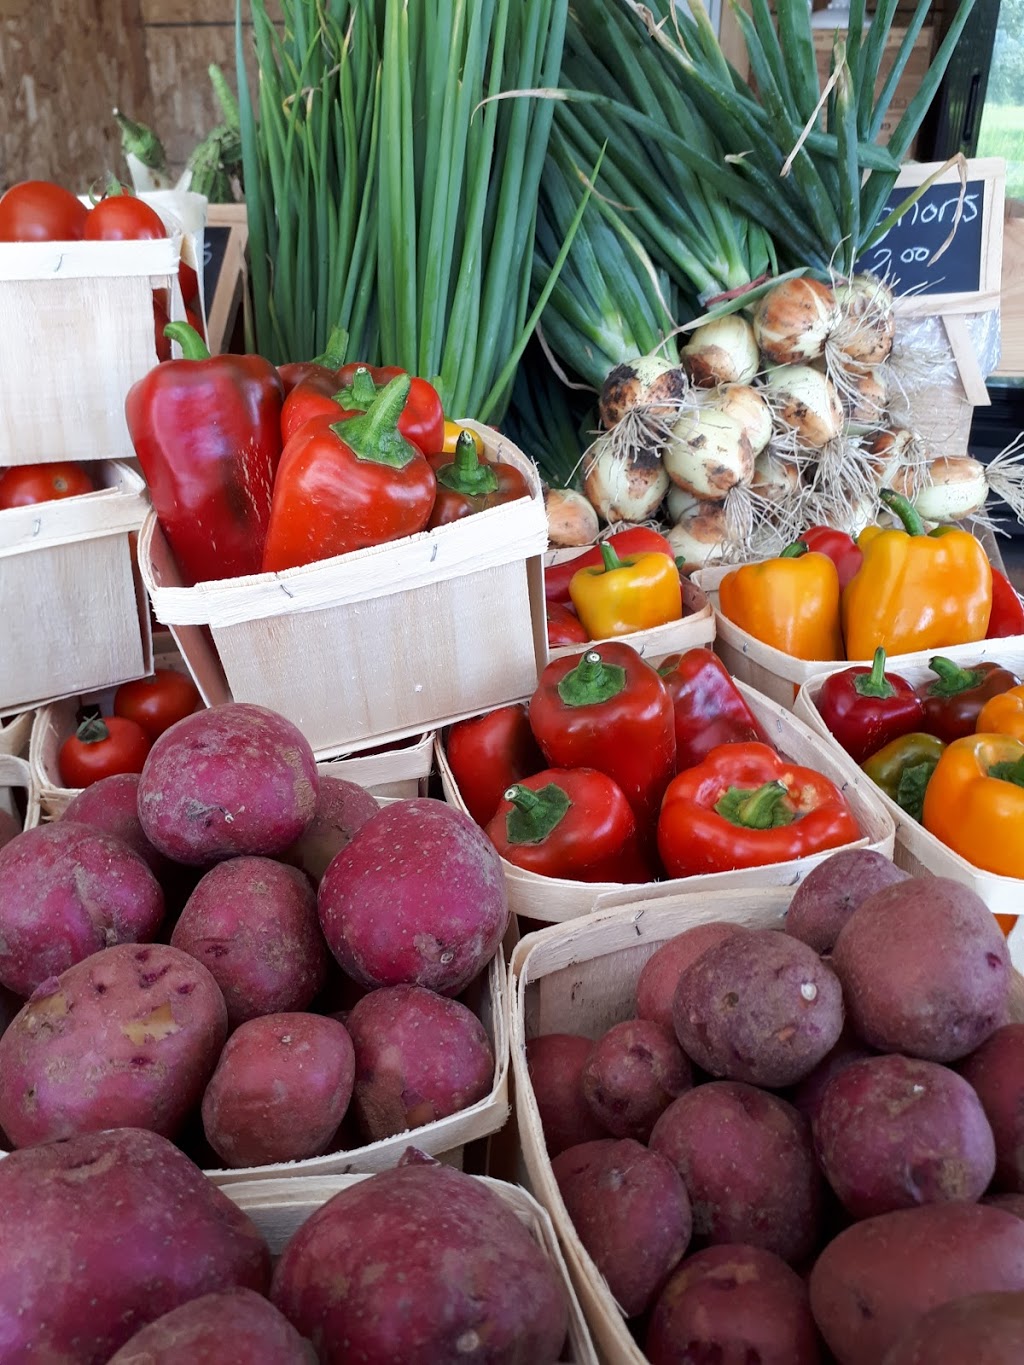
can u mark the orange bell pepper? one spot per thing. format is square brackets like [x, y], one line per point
[974, 802]
[790, 603]
[1003, 715]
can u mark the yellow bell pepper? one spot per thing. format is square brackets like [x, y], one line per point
[452, 432]
[1003, 715]
[915, 590]
[974, 802]
[790, 603]
[620, 596]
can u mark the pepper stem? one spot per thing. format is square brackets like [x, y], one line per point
[334, 352]
[535, 813]
[592, 681]
[952, 678]
[92, 731]
[611, 559]
[467, 473]
[193, 347]
[762, 808]
[902, 508]
[794, 551]
[374, 434]
[360, 392]
[875, 683]
[1009, 772]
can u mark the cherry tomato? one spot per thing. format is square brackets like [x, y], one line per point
[157, 703]
[31, 483]
[36, 211]
[102, 747]
[123, 218]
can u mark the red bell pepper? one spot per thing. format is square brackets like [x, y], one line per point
[564, 626]
[1007, 609]
[842, 549]
[343, 486]
[609, 710]
[324, 367]
[467, 484]
[207, 433]
[351, 392]
[570, 822]
[489, 753]
[709, 708]
[635, 540]
[954, 699]
[747, 806]
[865, 708]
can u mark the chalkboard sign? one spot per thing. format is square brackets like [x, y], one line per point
[905, 256]
[224, 270]
[215, 244]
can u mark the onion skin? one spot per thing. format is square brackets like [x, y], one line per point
[775, 479]
[624, 487]
[957, 489]
[709, 454]
[649, 382]
[722, 352]
[751, 411]
[890, 453]
[865, 407]
[572, 520]
[793, 321]
[867, 321]
[815, 424]
[700, 538]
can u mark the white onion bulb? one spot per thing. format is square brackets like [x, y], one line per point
[571, 518]
[701, 537]
[806, 401]
[722, 352]
[793, 321]
[775, 479]
[751, 411]
[648, 381]
[867, 320]
[708, 453]
[957, 488]
[621, 484]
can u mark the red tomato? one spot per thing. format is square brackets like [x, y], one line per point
[123, 218]
[157, 703]
[31, 483]
[36, 211]
[102, 747]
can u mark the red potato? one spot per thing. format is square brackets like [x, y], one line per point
[233, 1327]
[806, 1097]
[419, 1058]
[417, 897]
[656, 987]
[555, 1062]
[895, 1132]
[231, 780]
[341, 808]
[832, 891]
[9, 827]
[280, 1090]
[733, 1305]
[925, 969]
[748, 1165]
[878, 1277]
[421, 1265]
[1012, 1203]
[105, 1233]
[632, 1075]
[66, 891]
[112, 805]
[631, 1212]
[759, 1007]
[127, 1038]
[996, 1073]
[253, 923]
[987, 1328]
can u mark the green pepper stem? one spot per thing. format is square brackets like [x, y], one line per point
[611, 559]
[592, 681]
[952, 678]
[92, 730]
[875, 683]
[373, 435]
[360, 393]
[762, 808]
[193, 347]
[1009, 772]
[794, 551]
[467, 473]
[902, 508]
[535, 813]
[334, 352]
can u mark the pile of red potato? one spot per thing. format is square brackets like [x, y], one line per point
[811, 1141]
[303, 998]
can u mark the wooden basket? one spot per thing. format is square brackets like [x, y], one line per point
[779, 675]
[76, 332]
[444, 1138]
[18, 795]
[280, 1207]
[15, 733]
[552, 900]
[381, 643]
[399, 772]
[75, 616]
[581, 978]
[917, 851]
[695, 627]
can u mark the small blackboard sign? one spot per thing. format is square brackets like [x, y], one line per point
[215, 245]
[905, 256]
[224, 270]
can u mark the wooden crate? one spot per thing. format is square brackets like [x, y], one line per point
[76, 332]
[18, 795]
[917, 851]
[280, 1207]
[552, 900]
[75, 615]
[581, 978]
[398, 773]
[379, 644]
[15, 732]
